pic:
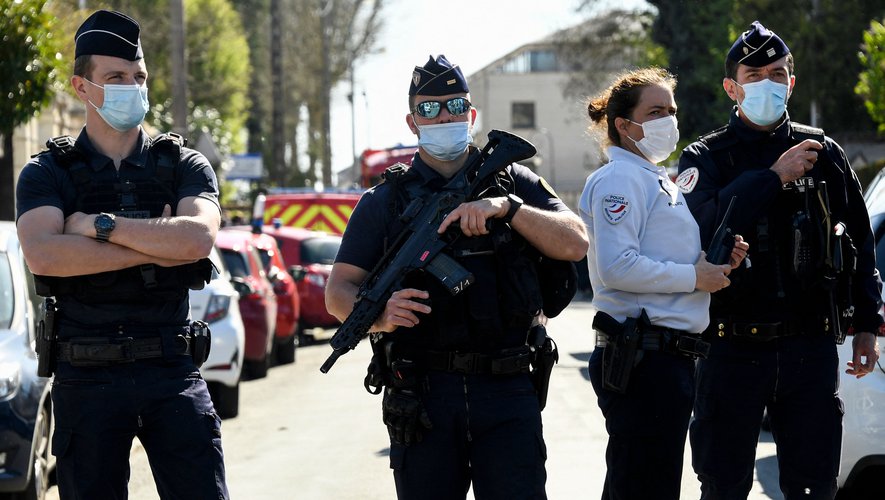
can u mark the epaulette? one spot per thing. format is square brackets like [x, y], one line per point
[801, 132]
[720, 138]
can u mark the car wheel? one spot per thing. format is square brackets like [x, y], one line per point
[285, 351]
[256, 369]
[39, 483]
[226, 399]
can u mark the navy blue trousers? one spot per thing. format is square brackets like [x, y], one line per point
[100, 410]
[797, 379]
[486, 430]
[646, 426]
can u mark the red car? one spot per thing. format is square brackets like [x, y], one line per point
[309, 255]
[288, 301]
[258, 303]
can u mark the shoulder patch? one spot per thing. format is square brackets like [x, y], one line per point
[615, 207]
[688, 179]
[547, 187]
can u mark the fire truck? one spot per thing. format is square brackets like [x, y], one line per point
[326, 211]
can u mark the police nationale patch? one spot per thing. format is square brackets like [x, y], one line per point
[688, 179]
[615, 207]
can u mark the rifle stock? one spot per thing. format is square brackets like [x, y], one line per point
[419, 246]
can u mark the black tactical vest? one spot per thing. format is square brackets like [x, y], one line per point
[793, 246]
[142, 196]
[497, 310]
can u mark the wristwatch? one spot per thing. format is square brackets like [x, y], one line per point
[515, 203]
[104, 224]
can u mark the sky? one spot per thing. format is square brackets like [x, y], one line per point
[471, 33]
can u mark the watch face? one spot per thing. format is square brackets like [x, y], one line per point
[104, 223]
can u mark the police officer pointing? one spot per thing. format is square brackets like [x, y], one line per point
[116, 226]
[458, 399]
[809, 277]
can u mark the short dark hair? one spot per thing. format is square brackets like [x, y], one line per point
[619, 100]
[83, 66]
[731, 67]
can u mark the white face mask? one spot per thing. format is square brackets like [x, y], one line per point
[661, 136]
[444, 141]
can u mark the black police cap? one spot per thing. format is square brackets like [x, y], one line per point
[757, 47]
[438, 77]
[108, 33]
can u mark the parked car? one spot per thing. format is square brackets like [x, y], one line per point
[863, 435]
[218, 305]
[288, 301]
[26, 422]
[309, 255]
[258, 303]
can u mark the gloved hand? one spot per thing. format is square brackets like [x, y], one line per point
[405, 416]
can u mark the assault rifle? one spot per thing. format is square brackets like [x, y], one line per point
[720, 248]
[419, 246]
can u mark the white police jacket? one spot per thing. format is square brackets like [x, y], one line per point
[643, 244]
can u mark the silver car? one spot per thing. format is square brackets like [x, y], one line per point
[218, 305]
[25, 406]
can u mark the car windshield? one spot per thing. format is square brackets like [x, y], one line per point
[320, 250]
[265, 258]
[7, 297]
[235, 263]
[878, 223]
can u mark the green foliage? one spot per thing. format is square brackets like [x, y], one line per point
[871, 84]
[29, 58]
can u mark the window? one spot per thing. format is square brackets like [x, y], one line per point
[532, 61]
[522, 115]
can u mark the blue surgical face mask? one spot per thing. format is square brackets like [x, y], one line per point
[444, 141]
[764, 102]
[124, 106]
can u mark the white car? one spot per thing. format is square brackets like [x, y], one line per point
[218, 305]
[863, 435]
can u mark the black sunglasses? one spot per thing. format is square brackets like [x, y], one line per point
[430, 109]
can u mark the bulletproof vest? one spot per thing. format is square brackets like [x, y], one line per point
[144, 195]
[493, 313]
[792, 246]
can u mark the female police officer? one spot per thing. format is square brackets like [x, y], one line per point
[645, 260]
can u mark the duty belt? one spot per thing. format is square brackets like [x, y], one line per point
[506, 362]
[763, 331]
[102, 351]
[667, 340]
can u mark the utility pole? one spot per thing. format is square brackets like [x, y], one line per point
[276, 67]
[326, 7]
[352, 97]
[179, 68]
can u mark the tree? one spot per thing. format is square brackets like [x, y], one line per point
[29, 58]
[872, 79]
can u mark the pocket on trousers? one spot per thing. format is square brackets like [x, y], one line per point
[397, 456]
[61, 442]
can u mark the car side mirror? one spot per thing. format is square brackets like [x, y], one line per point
[297, 272]
[242, 286]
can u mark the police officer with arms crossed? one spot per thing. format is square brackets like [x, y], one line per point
[774, 330]
[453, 423]
[648, 275]
[117, 227]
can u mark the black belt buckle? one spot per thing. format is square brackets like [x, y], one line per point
[694, 346]
[101, 352]
[462, 362]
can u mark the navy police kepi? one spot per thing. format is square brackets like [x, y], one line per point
[757, 47]
[108, 33]
[438, 77]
